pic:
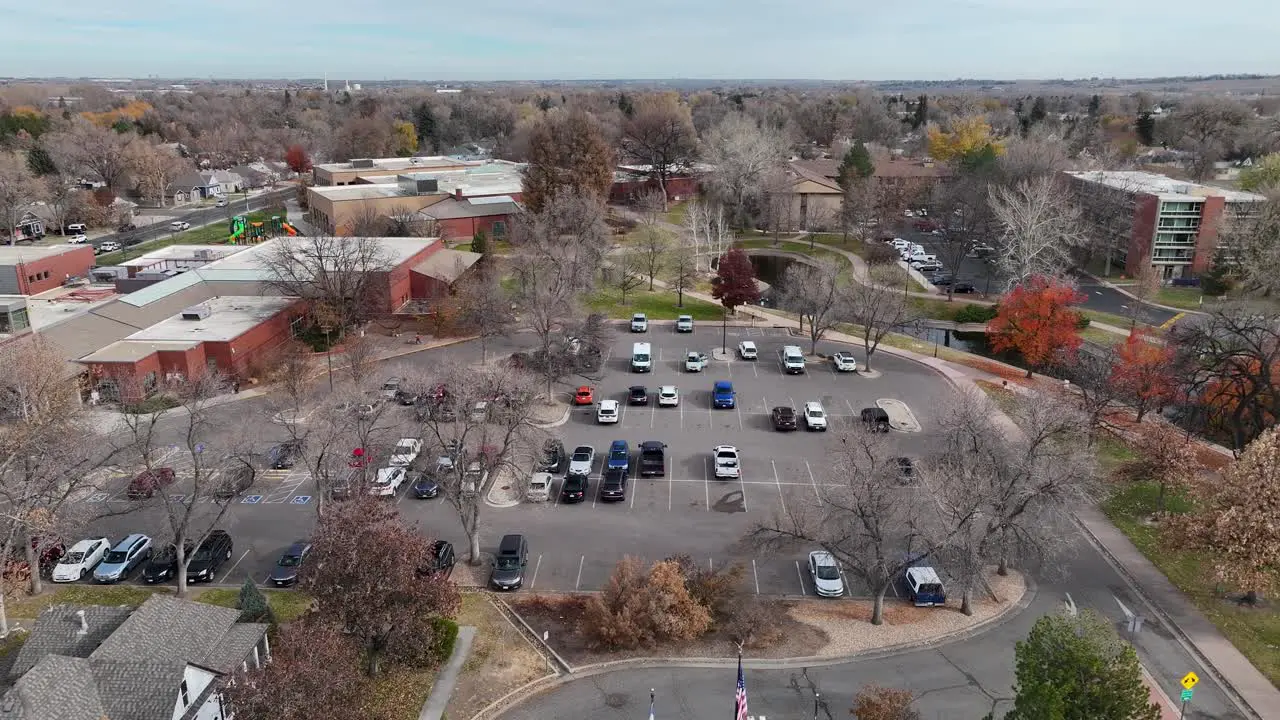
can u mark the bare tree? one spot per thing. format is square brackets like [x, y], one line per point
[660, 135]
[682, 269]
[484, 306]
[817, 293]
[88, 148]
[64, 199]
[1089, 373]
[876, 311]
[1041, 227]
[654, 247]
[18, 189]
[962, 210]
[1031, 158]
[742, 153]
[857, 207]
[626, 271]
[360, 354]
[860, 515]
[1253, 239]
[367, 221]
[776, 202]
[339, 277]
[154, 168]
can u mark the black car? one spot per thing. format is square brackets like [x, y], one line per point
[638, 395]
[163, 565]
[509, 563]
[963, 288]
[287, 567]
[233, 479]
[424, 486]
[875, 419]
[574, 488]
[784, 418]
[285, 455]
[942, 280]
[440, 559]
[554, 458]
[407, 397]
[212, 553]
[653, 459]
[614, 484]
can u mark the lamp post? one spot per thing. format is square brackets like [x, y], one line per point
[328, 351]
[724, 331]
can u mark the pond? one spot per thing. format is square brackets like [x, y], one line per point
[970, 342]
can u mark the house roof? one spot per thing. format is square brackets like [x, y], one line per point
[1166, 188]
[886, 167]
[57, 632]
[803, 174]
[14, 254]
[453, 209]
[168, 629]
[190, 180]
[58, 688]
[447, 264]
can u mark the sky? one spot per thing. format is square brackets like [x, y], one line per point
[479, 40]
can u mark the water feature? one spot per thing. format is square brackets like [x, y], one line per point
[972, 342]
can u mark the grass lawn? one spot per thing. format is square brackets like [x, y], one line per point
[398, 692]
[658, 305]
[1119, 321]
[675, 215]
[938, 309]
[1102, 337]
[131, 595]
[1187, 298]
[501, 659]
[287, 605]
[215, 234]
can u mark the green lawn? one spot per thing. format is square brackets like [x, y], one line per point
[675, 215]
[938, 309]
[658, 305]
[1119, 321]
[1101, 337]
[287, 605]
[1187, 298]
[215, 234]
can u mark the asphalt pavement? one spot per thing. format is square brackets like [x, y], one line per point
[197, 218]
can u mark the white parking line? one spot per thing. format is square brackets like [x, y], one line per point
[608, 355]
[755, 574]
[670, 491]
[766, 402]
[753, 370]
[536, 565]
[711, 409]
[596, 498]
[782, 498]
[555, 498]
[813, 481]
[227, 574]
[742, 483]
[729, 366]
[622, 418]
[681, 414]
[659, 354]
[578, 582]
[792, 401]
[706, 480]
[850, 405]
[738, 409]
[801, 576]
[653, 414]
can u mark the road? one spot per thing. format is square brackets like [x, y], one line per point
[197, 218]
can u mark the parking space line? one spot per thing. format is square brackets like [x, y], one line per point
[742, 483]
[622, 418]
[536, 565]
[653, 414]
[706, 480]
[813, 481]
[670, 491]
[738, 409]
[555, 499]
[596, 498]
[233, 567]
[766, 402]
[634, 490]
[801, 576]
[850, 405]
[659, 355]
[681, 414]
[578, 582]
[782, 498]
[755, 574]
[729, 366]
[608, 355]
[711, 410]
[753, 370]
[792, 401]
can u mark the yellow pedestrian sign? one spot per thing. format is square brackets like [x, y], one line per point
[1189, 680]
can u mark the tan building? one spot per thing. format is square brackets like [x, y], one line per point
[907, 181]
[348, 173]
[815, 200]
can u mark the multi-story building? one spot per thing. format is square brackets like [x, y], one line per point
[1140, 218]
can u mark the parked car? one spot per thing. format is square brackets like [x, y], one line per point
[387, 481]
[121, 560]
[585, 395]
[177, 225]
[574, 488]
[726, 462]
[922, 586]
[509, 563]
[405, 452]
[963, 289]
[553, 457]
[233, 479]
[695, 362]
[285, 455]
[424, 486]
[815, 417]
[619, 455]
[784, 418]
[539, 487]
[941, 280]
[613, 486]
[653, 459]
[876, 419]
[825, 572]
[639, 323]
[747, 350]
[163, 565]
[722, 395]
[582, 460]
[668, 396]
[106, 247]
[684, 324]
[210, 555]
[78, 239]
[844, 362]
[440, 559]
[407, 397]
[906, 469]
[145, 484]
[222, 202]
[926, 265]
[390, 387]
[290, 563]
[637, 395]
[607, 413]
[80, 560]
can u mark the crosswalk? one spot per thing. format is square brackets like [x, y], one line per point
[271, 486]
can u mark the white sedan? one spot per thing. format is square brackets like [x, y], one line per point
[80, 559]
[405, 452]
[844, 362]
[815, 418]
[695, 362]
[668, 396]
[388, 481]
[826, 574]
[727, 462]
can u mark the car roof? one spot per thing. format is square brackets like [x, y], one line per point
[720, 448]
[609, 404]
[666, 388]
[813, 404]
[510, 543]
[822, 557]
[297, 547]
[407, 440]
[748, 343]
[924, 575]
[724, 385]
[83, 545]
[582, 388]
[647, 444]
[128, 541]
[685, 317]
[617, 445]
[785, 410]
[583, 448]
[638, 315]
[638, 387]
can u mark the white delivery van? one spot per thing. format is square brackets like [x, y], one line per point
[792, 359]
[641, 358]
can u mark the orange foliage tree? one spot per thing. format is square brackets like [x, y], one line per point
[1144, 373]
[1036, 320]
[1240, 398]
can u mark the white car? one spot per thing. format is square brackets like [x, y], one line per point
[388, 481]
[695, 362]
[639, 323]
[109, 246]
[80, 560]
[78, 239]
[582, 460]
[727, 462]
[607, 412]
[179, 225]
[539, 487]
[747, 350]
[668, 396]
[815, 418]
[825, 572]
[684, 324]
[405, 452]
[844, 362]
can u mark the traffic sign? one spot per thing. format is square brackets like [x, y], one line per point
[1186, 695]
[1189, 680]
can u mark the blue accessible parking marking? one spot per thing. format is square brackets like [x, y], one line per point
[177, 498]
[301, 499]
[251, 499]
[97, 497]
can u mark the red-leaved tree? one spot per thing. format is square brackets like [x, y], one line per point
[1036, 320]
[735, 280]
[297, 159]
[314, 671]
[1144, 373]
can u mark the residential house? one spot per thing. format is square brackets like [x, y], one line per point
[193, 187]
[255, 175]
[167, 660]
[228, 182]
[34, 222]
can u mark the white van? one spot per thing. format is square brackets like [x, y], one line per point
[792, 359]
[641, 358]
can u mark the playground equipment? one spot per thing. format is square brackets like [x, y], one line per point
[244, 231]
[237, 229]
[289, 228]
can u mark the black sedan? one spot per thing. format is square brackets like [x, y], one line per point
[638, 395]
[285, 455]
[424, 486]
[286, 570]
[963, 289]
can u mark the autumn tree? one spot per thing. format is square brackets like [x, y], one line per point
[1234, 518]
[1164, 457]
[90, 149]
[963, 139]
[874, 702]
[568, 153]
[743, 154]
[1035, 319]
[1041, 226]
[18, 189]
[297, 158]
[1078, 668]
[1144, 372]
[640, 609]
[383, 600]
[313, 670]
[735, 281]
[817, 294]
[660, 134]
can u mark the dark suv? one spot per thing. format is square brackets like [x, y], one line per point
[233, 479]
[653, 459]
[509, 563]
[613, 486]
[784, 418]
[440, 560]
[554, 459]
[215, 550]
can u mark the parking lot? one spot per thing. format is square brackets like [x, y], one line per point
[576, 546]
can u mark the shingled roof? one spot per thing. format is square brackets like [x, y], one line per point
[57, 632]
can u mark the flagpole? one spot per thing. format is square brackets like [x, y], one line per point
[651, 692]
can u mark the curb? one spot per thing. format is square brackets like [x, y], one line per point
[568, 412]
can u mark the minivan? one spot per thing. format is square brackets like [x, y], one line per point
[641, 358]
[509, 563]
[792, 359]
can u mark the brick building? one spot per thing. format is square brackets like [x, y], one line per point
[630, 182]
[27, 270]
[1141, 218]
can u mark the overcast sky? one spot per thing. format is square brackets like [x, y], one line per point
[584, 39]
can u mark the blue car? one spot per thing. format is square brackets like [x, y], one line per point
[722, 395]
[619, 456]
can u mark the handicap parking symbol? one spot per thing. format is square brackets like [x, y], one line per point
[177, 498]
[300, 499]
[251, 499]
[97, 497]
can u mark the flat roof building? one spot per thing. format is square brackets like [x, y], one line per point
[31, 270]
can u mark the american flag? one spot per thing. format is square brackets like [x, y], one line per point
[740, 697]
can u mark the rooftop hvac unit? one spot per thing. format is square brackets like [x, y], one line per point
[425, 186]
[196, 312]
[362, 164]
[204, 254]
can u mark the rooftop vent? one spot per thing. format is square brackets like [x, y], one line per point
[196, 312]
[362, 164]
[425, 186]
[204, 254]
[84, 623]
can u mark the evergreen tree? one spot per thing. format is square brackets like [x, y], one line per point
[1146, 128]
[424, 121]
[253, 605]
[1077, 668]
[40, 162]
[480, 242]
[288, 98]
[1038, 111]
[922, 112]
[1095, 106]
[1217, 281]
[627, 107]
[856, 165]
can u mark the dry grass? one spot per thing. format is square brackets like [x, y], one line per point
[501, 659]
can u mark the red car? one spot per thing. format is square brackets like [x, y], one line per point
[146, 483]
[359, 458]
[585, 396]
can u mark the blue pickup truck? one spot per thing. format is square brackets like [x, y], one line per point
[722, 395]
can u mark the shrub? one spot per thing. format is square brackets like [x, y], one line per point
[1082, 322]
[879, 254]
[751, 623]
[444, 637]
[638, 608]
[253, 605]
[716, 590]
[976, 314]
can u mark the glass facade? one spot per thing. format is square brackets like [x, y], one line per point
[1174, 245]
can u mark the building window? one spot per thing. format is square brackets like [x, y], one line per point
[46, 275]
[296, 325]
[186, 695]
[499, 229]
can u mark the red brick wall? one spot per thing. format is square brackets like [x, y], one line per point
[683, 187]
[1207, 239]
[467, 227]
[48, 273]
[1143, 234]
[427, 287]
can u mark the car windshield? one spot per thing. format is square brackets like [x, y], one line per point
[930, 588]
[507, 563]
[203, 554]
[828, 572]
[73, 558]
[291, 561]
[116, 556]
[581, 457]
[604, 410]
[815, 412]
[642, 357]
[637, 318]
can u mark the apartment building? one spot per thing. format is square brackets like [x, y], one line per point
[1141, 218]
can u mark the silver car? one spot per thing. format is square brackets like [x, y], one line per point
[128, 554]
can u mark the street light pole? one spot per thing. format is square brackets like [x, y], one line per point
[724, 331]
[328, 351]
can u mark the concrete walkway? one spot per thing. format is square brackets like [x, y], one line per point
[447, 678]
